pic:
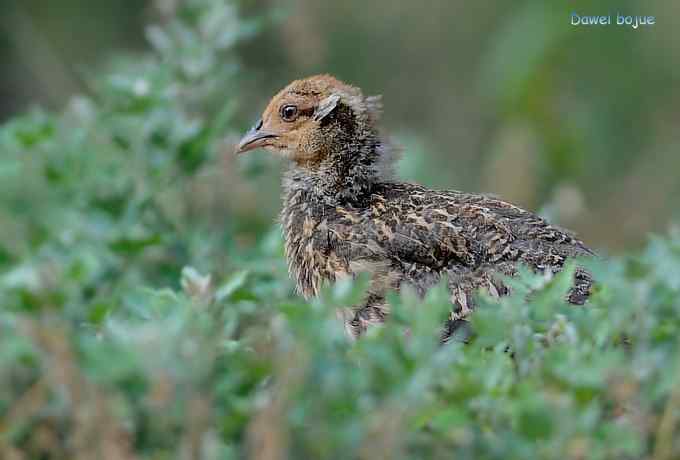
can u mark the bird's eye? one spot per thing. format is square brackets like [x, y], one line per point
[289, 112]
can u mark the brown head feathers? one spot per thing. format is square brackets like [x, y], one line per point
[329, 130]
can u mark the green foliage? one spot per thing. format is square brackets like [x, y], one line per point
[132, 326]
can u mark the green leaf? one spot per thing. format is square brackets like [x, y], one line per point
[229, 288]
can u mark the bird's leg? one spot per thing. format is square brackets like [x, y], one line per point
[463, 283]
[367, 316]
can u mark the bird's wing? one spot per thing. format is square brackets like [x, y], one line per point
[440, 228]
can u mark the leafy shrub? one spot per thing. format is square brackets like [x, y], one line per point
[113, 346]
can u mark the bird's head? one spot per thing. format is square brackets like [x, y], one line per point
[313, 120]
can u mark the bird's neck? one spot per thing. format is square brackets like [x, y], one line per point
[345, 177]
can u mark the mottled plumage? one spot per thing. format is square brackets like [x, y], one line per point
[344, 213]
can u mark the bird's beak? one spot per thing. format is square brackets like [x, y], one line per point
[254, 138]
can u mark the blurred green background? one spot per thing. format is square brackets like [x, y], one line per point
[578, 123]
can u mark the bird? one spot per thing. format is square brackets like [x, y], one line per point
[344, 213]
